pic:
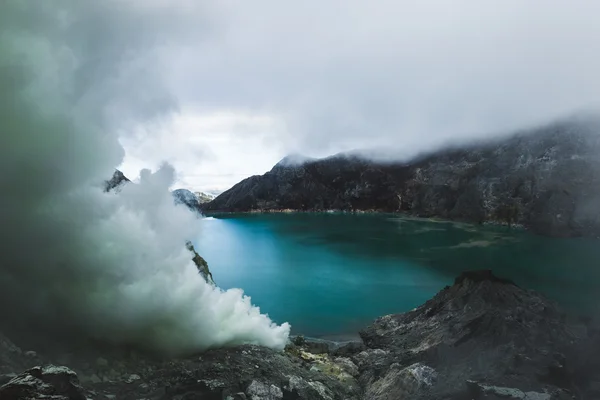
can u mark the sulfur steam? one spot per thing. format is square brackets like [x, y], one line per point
[75, 260]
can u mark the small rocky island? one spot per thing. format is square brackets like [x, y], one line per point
[546, 179]
[481, 338]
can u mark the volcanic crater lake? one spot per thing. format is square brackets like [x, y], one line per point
[331, 274]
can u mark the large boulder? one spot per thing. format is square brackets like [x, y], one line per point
[482, 329]
[49, 382]
[115, 182]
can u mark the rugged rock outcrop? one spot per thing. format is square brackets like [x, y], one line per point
[187, 198]
[49, 382]
[547, 179]
[115, 181]
[479, 334]
[201, 264]
[191, 200]
[243, 372]
[203, 197]
[481, 338]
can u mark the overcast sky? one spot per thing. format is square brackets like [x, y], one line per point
[251, 82]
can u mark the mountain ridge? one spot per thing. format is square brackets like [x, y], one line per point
[545, 179]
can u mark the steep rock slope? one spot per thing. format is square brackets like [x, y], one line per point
[480, 338]
[201, 263]
[547, 179]
[204, 197]
[115, 181]
[187, 198]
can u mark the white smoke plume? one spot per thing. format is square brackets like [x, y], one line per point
[74, 259]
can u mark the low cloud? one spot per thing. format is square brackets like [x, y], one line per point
[400, 76]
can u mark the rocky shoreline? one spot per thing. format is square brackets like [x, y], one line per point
[367, 212]
[481, 338]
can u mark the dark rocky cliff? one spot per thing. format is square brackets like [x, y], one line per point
[547, 179]
[481, 338]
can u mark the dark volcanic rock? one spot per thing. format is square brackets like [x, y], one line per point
[11, 356]
[49, 382]
[257, 372]
[201, 264]
[481, 276]
[116, 181]
[547, 179]
[483, 330]
[243, 372]
[481, 338]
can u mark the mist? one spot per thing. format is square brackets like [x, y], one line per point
[75, 76]
[267, 79]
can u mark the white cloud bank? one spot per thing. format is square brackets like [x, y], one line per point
[342, 75]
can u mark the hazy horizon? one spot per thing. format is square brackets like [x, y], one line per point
[391, 154]
[243, 85]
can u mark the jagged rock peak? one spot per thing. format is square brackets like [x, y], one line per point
[293, 160]
[203, 197]
[480, 276]
[481, 337]
[184, 196]
[115, 181]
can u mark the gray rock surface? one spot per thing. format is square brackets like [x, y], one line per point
[546, 179]
[186, 198]
[48, 382]
[201, 264]
[481, 338]
[482, 329]
[400, 383]
[202, 197]
[10, 356]
[115, 182]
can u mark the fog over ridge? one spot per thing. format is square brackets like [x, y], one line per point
[268, 79]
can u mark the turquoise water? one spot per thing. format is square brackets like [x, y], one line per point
[331, 274]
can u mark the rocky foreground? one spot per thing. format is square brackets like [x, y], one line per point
[482, 338]
[546, 179]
